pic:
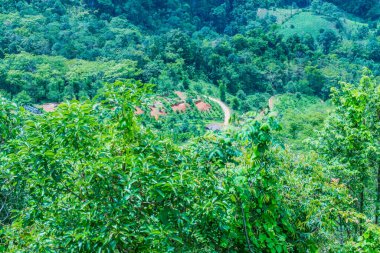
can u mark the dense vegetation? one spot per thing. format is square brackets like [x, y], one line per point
[168, 43]
[296, 170]
[369, 9]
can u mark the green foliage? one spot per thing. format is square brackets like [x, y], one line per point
[23, 98]
[186, 83]
[363, 8]
[315, 78]
[91, 166]
[45, 78]
[222, 91]
[328, 40]
[301, 118]
[349, 142]
[256, 102]
[235, 104]
[93, 176]
[368, 242]
[168, 43]
[9, 120]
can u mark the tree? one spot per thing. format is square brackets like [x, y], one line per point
[186, 83]
[241, 95]
[362, 32]
[235, 103]
[358, 7]
[11, 121]
[350, 142]
[23, 98]
[315, 78]
[316, 6]
[369, 242]
[328, 40]
[373, 48]
[222, 91]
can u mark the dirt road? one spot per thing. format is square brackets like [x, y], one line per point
[225, 108]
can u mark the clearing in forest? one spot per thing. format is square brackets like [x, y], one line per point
[306, 23]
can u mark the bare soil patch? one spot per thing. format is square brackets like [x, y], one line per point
[49, 107]
[202, 106]
[179, 107]
[156, 112]
[138, 111]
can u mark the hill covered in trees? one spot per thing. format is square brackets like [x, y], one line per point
[168, 43]
[125, 161]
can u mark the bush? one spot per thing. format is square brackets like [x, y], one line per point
[23, 98]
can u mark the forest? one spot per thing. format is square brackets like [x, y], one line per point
[190, 126]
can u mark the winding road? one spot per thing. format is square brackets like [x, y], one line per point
[225, 108]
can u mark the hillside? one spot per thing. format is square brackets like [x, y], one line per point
[189, 126]
[367, 9]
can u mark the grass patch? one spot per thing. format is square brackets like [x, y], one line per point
[306, 23]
